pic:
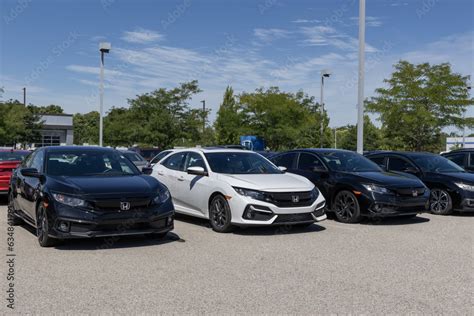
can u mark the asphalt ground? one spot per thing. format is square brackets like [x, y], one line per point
[423, 265]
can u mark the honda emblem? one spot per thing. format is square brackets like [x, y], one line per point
[124, 206]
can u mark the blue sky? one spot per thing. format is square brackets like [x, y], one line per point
[51, 47]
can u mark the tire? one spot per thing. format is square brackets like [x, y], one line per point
[42, 229]
[220, 215]
[346, 207]
[13, 219]
[440, 202]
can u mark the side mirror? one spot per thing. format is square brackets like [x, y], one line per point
[198, 171]
[282, 169]
[30, 172]
[147, 170]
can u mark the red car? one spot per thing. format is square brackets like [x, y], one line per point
[9, 160]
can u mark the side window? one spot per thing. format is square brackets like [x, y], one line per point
[159, 157]
[309, 162]
[27, 162]
[457, 159]
[471, 160]
[195, 160]
[398, 164]
[38, 161]
[285, 160]
[379, 161]
[175, 162]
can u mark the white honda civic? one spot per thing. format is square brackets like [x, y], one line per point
[238, 187]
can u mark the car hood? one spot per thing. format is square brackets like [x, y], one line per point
[464, 177]
[107, 185]
[283, 182]
[388, 179]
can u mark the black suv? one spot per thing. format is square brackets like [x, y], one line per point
[462, 157]
[452, 188]
[354, 186]
[70, 192]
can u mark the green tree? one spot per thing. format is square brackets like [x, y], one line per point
[86, 128]
[347, 136]
[18, 124]
[418, 102]
[229, 124]
[49, 109]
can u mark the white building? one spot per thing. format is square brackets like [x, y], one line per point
[457, 142]
[57, 130]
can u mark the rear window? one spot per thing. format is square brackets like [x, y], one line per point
[12, 155]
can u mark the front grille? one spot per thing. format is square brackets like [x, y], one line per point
[294, 218]
[114, 204]
[409, 191]
[288, 199]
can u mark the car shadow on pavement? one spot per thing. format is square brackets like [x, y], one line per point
[115, 242]
[393, 221]
[258, 230]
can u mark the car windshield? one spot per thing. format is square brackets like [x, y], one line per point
[240, 163]
[12, 155]
[134, 157]
[432, 163]
[160, 156]
[88, 163]
[346, 161]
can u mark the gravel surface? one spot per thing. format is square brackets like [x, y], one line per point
[419, 266]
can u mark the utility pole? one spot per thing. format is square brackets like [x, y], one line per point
[203, 116]
[360, 105]
[325, 73]
[24, 96]
[103, 48]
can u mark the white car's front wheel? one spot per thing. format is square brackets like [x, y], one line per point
[220, 215]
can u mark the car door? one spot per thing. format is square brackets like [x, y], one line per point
[32, 185]
[310, 166]
[20, 182]
[193, 191]
[167, 172]
[458, 158]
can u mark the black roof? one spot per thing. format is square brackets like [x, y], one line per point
[76, 148]
[402, 153]
[460, 150]
[323, 150]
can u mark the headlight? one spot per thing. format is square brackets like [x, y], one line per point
[314, 193]
[465, 186]
[162, 196]
[257, 195]
[69, 200]
[376, 189]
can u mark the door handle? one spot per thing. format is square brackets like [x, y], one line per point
[180, 179]
[160, 173]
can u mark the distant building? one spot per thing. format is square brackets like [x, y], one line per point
[457, 142]
[57, 130]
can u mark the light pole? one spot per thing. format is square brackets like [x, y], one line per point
[360, 104]
[324, 73]
[24, 96]
[104, 48]
[464, 124]
[203, 116]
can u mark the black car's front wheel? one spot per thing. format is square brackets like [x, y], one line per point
[13, 219]
[346, 207]
[441, 202]
[220, 215]
[42, 229]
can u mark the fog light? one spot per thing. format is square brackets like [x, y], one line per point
[169, 220]
[63, 226]
[377, 207]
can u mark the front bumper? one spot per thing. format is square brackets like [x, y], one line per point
[274, 215]
[381, 205]
[467, 205]
[68, 222]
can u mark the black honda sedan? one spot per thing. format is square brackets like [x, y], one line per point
[70, 192]
[354, 186]
[452, 188]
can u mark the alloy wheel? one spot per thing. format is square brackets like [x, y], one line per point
[440, 201]
[219, 215]
[346, 205]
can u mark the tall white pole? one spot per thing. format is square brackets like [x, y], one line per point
[360, 104]
[101, 98]
[322, 109]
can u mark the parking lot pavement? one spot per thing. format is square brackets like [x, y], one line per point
[421, 265]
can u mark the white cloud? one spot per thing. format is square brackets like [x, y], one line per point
[370, 21]
[305, 21]
[269, 35]
[329, 36]
[142, 36]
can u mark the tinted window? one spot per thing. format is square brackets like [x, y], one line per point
[457, 159]
[12, 155]
[88, 163]
[309, 162]
[27, 162]
[433, 163]
[160, 156]
[471, 160]
[194, 160]
[240, 163]
[378, 160]
[285, 160]
[134, 157]
[398, 164]
[347, 161]
[38, 161]
[175, 162]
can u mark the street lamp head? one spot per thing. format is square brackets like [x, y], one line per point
[105, 47]
[325, 73]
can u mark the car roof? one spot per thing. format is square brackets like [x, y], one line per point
[14, 151]
[212, 150]
[402, 153]
[76, 148]
[460, 150]
[317, 150]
